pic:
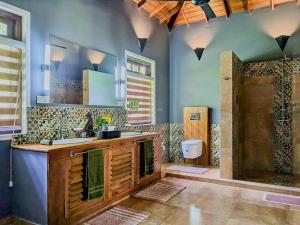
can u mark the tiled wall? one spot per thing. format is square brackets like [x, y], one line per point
[231, 91]
[44, 123]
[282, 71]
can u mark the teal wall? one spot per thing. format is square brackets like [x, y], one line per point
[196, 83]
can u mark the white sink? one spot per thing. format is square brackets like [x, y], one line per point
[71, 141]
[130, 133]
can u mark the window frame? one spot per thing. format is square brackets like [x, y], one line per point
[152, 78]
[24, 44]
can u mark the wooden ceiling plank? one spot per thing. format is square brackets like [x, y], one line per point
[158, 9]
[141, 3]
[184, 16]
[175, 15]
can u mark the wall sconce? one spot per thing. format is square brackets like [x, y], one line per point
[56, 64]
[142, 43]
[199, 52]
[282, 41]
[96, 66]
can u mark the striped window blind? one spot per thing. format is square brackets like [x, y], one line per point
[139, 99]
[10, 90]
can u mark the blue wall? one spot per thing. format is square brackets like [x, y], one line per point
[99, 24]
[198, 83]
[5, 193]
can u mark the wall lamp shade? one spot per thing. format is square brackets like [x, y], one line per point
[199, 52]
[282, 41]
[56, 64]
[96, 66]
[142, 43]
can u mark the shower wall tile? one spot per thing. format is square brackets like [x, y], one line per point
[283, 106]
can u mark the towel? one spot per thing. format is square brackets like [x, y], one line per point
[94, 175]
[146, 158]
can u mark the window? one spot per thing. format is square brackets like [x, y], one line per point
[14, 69]
[140, 86]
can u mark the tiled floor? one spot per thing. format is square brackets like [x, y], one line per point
[272, 178]
[259, 182]
[213, 204]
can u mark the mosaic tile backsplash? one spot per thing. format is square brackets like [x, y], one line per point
[44, 123]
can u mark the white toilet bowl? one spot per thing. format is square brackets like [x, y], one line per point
[192, 149]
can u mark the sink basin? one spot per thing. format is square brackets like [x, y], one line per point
[71, 141]
[130, 133]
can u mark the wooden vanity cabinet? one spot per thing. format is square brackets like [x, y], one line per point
[121, 178]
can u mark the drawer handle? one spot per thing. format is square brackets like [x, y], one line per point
[74, 154]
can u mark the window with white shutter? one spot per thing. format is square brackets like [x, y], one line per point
[14, 55]
[140, 86]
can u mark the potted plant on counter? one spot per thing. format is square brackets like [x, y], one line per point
[103, 124]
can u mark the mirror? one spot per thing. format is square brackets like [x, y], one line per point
[80, 75]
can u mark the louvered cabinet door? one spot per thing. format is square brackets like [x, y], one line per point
[122, 170]
[74, 184]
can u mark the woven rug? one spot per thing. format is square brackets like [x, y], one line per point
[282, 199]
[188, 169]
[119, 216]
[159, 192]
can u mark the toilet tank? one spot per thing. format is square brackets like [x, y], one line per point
[192, 149]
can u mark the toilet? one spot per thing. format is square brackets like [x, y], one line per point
[192, 148]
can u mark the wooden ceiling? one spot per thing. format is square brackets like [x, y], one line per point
[175, 13]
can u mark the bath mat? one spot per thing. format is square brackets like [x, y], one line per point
[188, 169]
[159, 192]
[119, 216]
[282, 199]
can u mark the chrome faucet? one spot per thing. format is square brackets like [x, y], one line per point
[61, 133]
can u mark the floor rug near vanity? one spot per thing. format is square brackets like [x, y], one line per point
[119, 215]
[188, 169]
[159, 192]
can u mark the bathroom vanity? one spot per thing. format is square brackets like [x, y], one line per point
[49, 179]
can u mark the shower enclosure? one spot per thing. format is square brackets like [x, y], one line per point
[260, 102]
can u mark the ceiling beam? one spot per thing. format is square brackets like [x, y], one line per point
[175, 16]
[171, 13]
[227, 8]
[141, 3]
[246, 6]
[184, 16]
[158, 9]
[204, 14]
